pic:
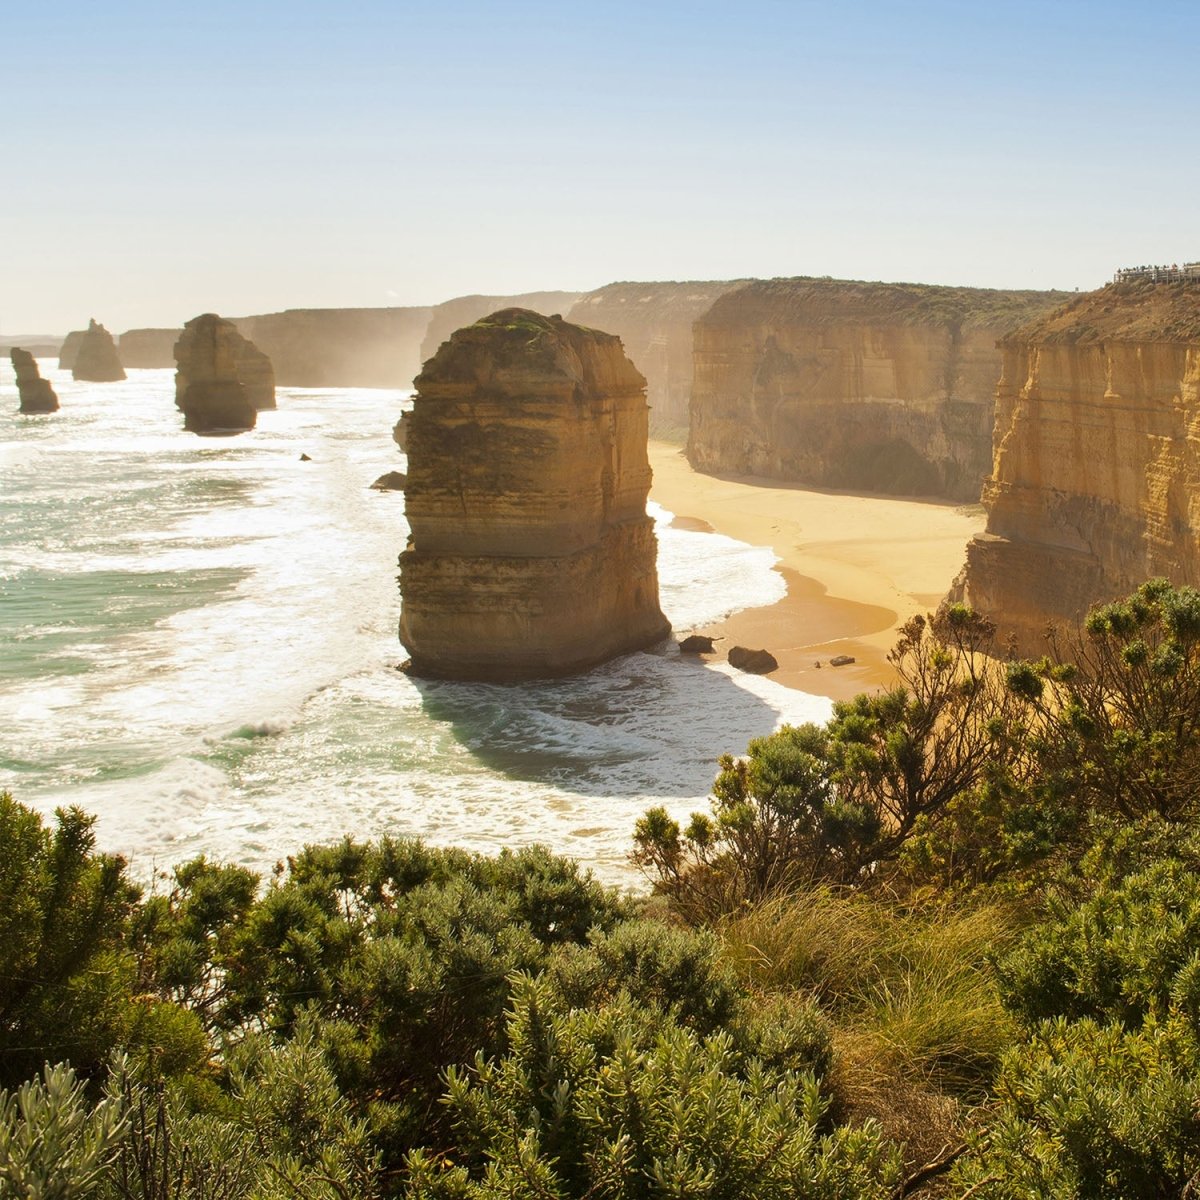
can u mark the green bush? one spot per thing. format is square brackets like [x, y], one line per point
[616, 1102]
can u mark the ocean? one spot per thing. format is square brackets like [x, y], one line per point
[198, 645]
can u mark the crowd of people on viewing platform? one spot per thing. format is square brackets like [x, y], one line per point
[1159, 273]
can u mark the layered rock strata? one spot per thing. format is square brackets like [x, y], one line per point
[148, 348]
[453, 314]
[531, 553]
[1095, 485]
[341, 347]
[36, 394]
[96, 359]
[865, 386]
[222, 381]
[654, 322]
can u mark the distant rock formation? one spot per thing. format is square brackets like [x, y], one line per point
[36, 394]
[340, 347]
[881, 387]
[654, 322]
[221, 382]
[445, 318]
[96, 359]
[531, 552]
[1095, 485]
[69, 351]
[148, 347]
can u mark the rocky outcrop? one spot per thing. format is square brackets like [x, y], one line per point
[654, 322]
[148, 347]
[866, 386]
[69, 350]
[531, 553]
[222, 380]
[1095, 485]
[36, 394]
[340, 347]
[96, 359]
[445, 318]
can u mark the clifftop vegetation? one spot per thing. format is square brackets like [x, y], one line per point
[947, 945]
[821, 301]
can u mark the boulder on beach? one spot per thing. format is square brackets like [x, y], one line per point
[696, 644]
[754, 662]
[37, 396]
[841, 660]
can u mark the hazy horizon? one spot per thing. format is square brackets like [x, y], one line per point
[255, 157]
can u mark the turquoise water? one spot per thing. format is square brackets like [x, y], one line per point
[198, 644]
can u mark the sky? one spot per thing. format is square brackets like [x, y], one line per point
[165, 159]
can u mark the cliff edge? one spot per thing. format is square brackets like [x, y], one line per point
[531, 553]
[877, 387]
[1095, 484]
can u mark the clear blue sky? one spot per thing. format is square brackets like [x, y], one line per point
[170, 158]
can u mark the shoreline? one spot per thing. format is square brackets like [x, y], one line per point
[856, 567]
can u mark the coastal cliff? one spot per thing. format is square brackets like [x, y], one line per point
[531, 553]
[148, 347]
[878, 387]
[654, 322]
[454, 314]
[1095, 485]
[340, 347]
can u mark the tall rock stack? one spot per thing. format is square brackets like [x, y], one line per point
[37, 396]
[221, 382]
[531, 552]
[69, 351]
[1095, 483]
[96, 359]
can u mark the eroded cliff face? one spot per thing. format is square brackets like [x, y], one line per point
[340, 347]
[865, 386]
[222, 381]
[35, 393]
[148, 347]
[96, 359]
[654, 322]
[1095, 485]
[531, 552]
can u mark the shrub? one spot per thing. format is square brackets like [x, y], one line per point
[616, 1102]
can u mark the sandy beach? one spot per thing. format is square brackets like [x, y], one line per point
[856, 567]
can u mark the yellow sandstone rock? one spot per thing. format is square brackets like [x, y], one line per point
[531, 552]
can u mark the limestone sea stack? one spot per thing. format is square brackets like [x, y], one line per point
[221, 382]
[96, 360]
[1095, 484]
[878, 387]
[37, 396]
[531, 553]
[69, 351]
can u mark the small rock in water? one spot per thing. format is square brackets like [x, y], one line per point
[393, 481]
[305, 458]
[696, 644]
[756, 662]
[841, 660]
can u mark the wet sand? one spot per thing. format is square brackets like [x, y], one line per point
[856, 567]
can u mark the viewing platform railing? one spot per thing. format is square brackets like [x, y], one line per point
[1172, 274]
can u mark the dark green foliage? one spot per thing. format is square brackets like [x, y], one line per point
[617, 1102]
[1094, 1112]
[1130, 952]
[833, 805]
[67, 977]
